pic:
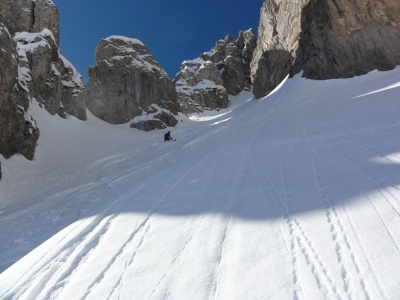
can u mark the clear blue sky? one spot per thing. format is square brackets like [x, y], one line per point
[173, 30]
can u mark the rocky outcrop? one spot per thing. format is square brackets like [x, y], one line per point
[277, 45]
[35, 70]
[247, 42]
[206, 82]
[199, 86]
[155, 118]
[324, 39]
[361, 36]
[49, 77]
[126, 81]
[18, 130]
[232, 58]
[30, 16]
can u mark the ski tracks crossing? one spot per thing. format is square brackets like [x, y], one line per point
[298, 243]
[284, 217]
[51, 274]
[348, 280]
[346, 257]
[129, 247]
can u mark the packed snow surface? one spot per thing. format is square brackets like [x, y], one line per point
[294, 196]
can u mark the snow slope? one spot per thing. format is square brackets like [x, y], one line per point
[295, 196]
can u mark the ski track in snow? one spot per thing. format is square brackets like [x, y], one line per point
[75, 253]
[222, 249]
[351, 165]
[286, 199]
[143, 224]
[70, 256]
[299, 241]
[346, 256]
[281, 205]
[339, 236]
[177, 257]
[90, 239]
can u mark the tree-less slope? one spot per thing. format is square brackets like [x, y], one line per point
[295, 196]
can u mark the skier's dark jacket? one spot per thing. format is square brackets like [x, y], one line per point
[167, 136]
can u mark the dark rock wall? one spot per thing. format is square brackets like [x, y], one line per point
[360, 36]
[18, 131]
[325, 39]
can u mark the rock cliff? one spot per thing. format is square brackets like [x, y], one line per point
[30, 16]
[36, 70]
[199, 86]
[324, 39]
[126, 81]
[48, 76]
[18, 130]
[206, 82]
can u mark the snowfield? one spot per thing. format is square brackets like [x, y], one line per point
[294, 196]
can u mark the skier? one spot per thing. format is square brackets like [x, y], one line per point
[167, 136]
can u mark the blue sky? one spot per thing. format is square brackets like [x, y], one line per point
[173, 30]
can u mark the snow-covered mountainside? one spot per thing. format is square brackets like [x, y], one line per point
[294, 196]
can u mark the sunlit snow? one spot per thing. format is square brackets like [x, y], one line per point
[294, 196]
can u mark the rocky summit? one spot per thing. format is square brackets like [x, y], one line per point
[126, 81]
[324, 39]
[205, 82]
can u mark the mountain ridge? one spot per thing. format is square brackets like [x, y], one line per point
[319, 39]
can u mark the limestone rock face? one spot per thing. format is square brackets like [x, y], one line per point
[232, 58]
[199, 87]
[18, 130]
[324, 39]
[277, 45]
[49, 77]
[205, 83]
[362, 36]
[126, 81]
[30, 16]
[35, 70]
[247, 42]
[226, 55]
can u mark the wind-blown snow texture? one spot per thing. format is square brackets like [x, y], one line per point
[295, 196]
